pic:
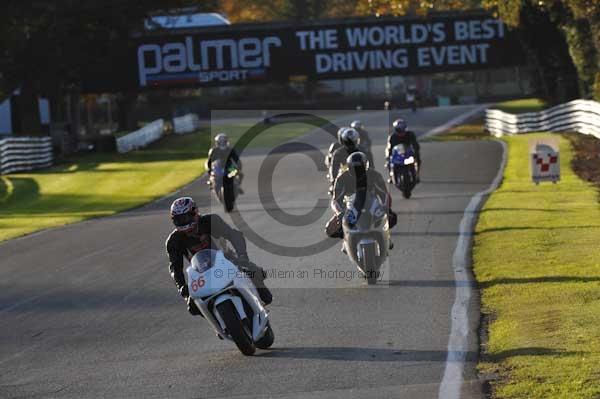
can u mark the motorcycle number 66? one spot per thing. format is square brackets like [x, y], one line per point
[197, 284]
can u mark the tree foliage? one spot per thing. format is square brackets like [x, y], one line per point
[47, 46]
[577, 20]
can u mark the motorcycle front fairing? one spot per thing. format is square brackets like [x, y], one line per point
[402, 156]
[213, 279]
[216, 175]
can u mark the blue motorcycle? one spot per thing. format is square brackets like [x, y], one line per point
[403, 169]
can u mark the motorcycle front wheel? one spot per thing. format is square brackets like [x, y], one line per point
[228, 195]
[406, 186]
[370, 264]
[236, 329]
[266, 340]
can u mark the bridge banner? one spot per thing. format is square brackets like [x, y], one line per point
[334, 49]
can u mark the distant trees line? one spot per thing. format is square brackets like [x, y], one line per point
[48, 46]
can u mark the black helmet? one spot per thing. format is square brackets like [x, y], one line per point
[399, 126]
[357, 125]
[357, 161]
[350, 138]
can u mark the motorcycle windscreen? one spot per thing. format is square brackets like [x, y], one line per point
[211, 271]
[204, 260]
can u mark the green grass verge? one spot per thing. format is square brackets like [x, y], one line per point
[473, 130]
[104, 184]
[268, 138]
[97, 184]
[520, 106]
[537, 259]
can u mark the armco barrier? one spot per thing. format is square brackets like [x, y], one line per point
[19, 154]
[582, 116]
[142, 137]
[186, 124]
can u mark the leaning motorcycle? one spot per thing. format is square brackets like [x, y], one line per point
[366, 233]
[403, 169]
[225, 183]
[229, 301]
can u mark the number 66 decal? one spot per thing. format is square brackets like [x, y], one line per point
[197, 284]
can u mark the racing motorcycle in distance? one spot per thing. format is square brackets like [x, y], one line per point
[224, 183]
[366, 233]
[403, 169]
[229, 301]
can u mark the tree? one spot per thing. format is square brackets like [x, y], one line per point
[294, 10]
[577, 20]
[48, 46]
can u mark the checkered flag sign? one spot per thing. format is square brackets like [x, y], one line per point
[544, 160]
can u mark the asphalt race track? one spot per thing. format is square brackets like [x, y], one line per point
[89, 310]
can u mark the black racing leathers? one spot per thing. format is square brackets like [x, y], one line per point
[349, 183]
[184, 245]
[365, 140]
[210, 227]
[338, 159]
[226, 155]
[409, 139]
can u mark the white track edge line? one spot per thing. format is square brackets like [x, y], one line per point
[457, 342]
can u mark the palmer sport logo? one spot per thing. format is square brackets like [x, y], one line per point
[203, 61]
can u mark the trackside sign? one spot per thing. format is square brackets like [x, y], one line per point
[359, 47]
[544, 159]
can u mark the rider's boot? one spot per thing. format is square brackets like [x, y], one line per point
[258, 275]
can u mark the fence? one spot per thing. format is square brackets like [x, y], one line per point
[186, 124]
[19, 154]
[582, 116]
[142, 137]
[155, 130]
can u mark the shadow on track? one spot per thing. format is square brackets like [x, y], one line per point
[361, 354]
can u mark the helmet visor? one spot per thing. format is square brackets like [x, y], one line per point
[184, 221]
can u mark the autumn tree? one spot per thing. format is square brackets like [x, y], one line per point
[571, 29]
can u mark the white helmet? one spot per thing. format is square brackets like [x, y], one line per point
[357, 125]
[222, 141]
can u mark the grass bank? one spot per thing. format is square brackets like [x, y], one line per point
[96, 185]
[536, 258]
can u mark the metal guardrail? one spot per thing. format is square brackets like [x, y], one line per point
[19, 154]
[155, 130]
[142, 137]
[186, 124]
[582, 116]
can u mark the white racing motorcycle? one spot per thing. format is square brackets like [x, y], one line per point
[366, 234]
[229, 301]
